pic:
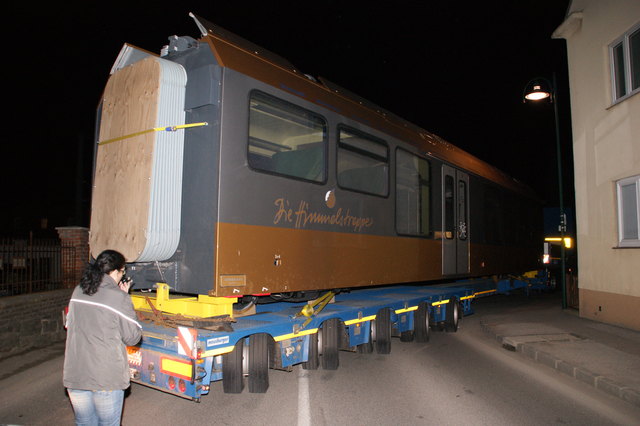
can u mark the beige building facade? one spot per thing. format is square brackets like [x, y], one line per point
[603, 48]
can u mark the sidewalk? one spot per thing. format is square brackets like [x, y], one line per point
[18, 363]
[604, 356]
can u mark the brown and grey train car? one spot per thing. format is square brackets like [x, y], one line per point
[221, 169]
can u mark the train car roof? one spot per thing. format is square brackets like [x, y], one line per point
[241, 55]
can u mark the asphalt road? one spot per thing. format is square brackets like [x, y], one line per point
[456, 378]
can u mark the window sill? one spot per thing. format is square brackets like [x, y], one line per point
[624, 98]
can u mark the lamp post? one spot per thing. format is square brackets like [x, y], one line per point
[539, 89]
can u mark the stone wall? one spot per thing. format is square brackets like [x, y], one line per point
[31, 321]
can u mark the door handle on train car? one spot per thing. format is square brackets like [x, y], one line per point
[462, 231]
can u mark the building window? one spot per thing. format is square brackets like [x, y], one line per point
[628, 211]
[285, 139]
[363, 163]
[413, 194]
[625, 64]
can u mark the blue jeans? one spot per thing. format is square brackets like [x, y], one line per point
[102, 408]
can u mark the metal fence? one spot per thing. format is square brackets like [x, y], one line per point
[29, 266]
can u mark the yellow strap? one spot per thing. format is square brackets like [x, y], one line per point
[155, 129]
[309, 311]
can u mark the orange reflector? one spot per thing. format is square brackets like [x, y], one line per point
[134, 355]
[175, 367]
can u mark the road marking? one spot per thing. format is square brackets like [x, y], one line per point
[304, 403]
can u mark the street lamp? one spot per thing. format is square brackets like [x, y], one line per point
[539, 89]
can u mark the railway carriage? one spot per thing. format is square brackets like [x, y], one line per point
[223, 170]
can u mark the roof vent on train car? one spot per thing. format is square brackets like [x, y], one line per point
[178, 44]
[137, 193]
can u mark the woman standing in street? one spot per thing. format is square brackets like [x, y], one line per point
[100, 324]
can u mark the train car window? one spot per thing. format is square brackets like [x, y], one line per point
[413, 194]
[494, 213]
[449, 208]
[363, 163]
[285, 139]
[511, 219]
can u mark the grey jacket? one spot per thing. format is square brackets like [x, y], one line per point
[99, 327]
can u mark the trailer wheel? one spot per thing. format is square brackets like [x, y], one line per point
[421, 323]
[330, 344]
[406, 336]
[383, 331]
[452, 316]
[232, 380]
[367, 348]
[312, 360]
[259, 363]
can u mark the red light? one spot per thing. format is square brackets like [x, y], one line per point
[172, 383]
[182, 386]
[65, 314]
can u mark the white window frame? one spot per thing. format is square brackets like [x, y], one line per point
[622, 241]
[626, 52]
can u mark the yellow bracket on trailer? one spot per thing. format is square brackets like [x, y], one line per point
[201, 306]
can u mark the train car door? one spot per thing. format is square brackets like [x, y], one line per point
[455, 224]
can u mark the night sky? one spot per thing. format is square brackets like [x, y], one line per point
[455, 69]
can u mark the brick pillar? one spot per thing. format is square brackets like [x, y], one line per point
[75, 253]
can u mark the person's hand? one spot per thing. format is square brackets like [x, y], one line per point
[125, 285]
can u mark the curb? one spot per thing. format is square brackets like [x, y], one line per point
[581, 374]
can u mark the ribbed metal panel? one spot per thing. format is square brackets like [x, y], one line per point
[163, 230]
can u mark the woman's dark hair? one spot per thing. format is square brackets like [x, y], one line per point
[107, 261]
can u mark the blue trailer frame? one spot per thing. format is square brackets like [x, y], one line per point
[162, 360]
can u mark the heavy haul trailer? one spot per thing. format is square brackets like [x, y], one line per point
[239, 179]
[176, 357]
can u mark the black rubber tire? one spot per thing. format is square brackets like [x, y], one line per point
[330, 344]
[367, 348]
[232, 379]
[421, 323]
[406, 336]
[313, 362]
[452, 315]
[259, 363]
[383, 331]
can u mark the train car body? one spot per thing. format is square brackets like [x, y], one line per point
[222, 170]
